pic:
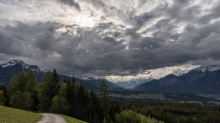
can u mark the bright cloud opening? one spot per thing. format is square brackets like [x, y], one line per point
[85, 21]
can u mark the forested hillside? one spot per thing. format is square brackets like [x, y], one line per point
[69, 98]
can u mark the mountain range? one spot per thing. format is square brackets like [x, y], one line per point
[201, 80]
[133, 82]
[7, 70]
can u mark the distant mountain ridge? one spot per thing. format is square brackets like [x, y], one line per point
[8, 69]
[204, 79]
[133, 82]
[208, 68]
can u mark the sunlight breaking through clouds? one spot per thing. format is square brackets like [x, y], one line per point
[85, 21]
[116, 37]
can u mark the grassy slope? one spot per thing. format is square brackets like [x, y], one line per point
[71, 120]
[12, 115]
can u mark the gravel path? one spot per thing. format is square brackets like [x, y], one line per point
[51, 118]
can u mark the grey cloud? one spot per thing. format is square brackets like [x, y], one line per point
[112, 41]
[88, 53]
[181, 2]
[5, 42]
[71, 3]
[45, 41]
[96, 3]
[213, 14]
[108, 50]
[12, 46]
[140, 20]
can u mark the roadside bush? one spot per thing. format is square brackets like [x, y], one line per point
[128, 116]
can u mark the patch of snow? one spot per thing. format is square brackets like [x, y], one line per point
[11, 63]
[208, 68]
[20, 62]
[24, 66]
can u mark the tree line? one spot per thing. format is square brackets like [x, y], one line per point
[73, 99]
[70, 97]
[175, 112]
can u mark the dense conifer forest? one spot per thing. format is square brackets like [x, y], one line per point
[175, 112]
[73, 99]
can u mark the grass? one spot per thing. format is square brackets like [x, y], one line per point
[12, 115]
[71, 120]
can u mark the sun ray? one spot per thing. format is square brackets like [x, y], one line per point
[85, 21]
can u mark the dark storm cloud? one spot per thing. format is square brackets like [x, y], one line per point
[15, 40]
[71, 3]
[45, 41]
[91, 53]
[178, 36]
[140, 20]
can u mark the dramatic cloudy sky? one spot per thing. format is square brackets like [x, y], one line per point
[111, 38]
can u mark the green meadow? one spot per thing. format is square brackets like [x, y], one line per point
[12, 115]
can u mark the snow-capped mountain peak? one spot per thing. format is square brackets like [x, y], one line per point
[12, 63]
[208, 68]
[24, 66]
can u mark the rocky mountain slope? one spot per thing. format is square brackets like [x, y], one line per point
[204, 80]
[7, 70]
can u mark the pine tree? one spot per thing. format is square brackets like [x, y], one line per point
[69, 91]
[64, 79]
[56, 80]
[32, 82]
[56, 76]
[22, 82]
[71, 96]
[104, 97]
[12, 86]
[73, 88]
[32, 88]
[93, 106]
[46, 91]
[82, 102]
